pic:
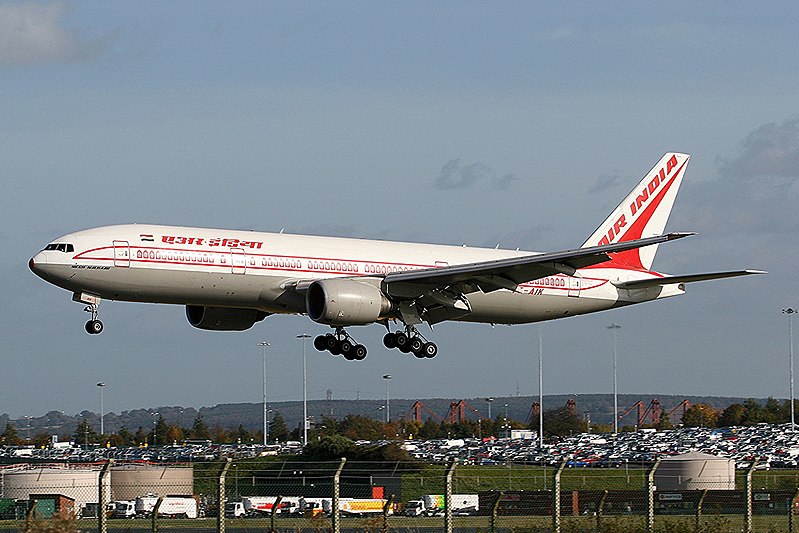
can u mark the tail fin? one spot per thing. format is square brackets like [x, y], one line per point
[643, 213]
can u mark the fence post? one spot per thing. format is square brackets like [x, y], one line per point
[334, 511]
[494, 509]
[220, 496]
[275, 507]
[599, 507]
[30, 515]
[791, 504]
[102, 497]
[650, 495]
[386, 509]
[699, 509]
[748, 494]
[448, 497]
[154, 516]
[556, 496]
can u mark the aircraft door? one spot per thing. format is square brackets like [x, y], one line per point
[238, 261]
[575, 284]
[121, 254]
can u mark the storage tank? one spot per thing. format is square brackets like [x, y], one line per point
[77, 482]
[130, 481]
[695, 470]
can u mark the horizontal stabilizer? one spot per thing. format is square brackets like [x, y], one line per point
[690, 278]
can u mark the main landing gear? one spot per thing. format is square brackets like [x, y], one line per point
[93, 326]
[342, 344]
[409, 341]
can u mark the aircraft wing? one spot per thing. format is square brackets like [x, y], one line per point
[509, 273]
[690, 278]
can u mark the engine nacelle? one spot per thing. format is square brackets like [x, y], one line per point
[344, 302]
[223, 318]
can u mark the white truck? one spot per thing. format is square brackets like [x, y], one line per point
[122, 509]
[433, 505]
[171, 506]
[235, 510]
[356, 506]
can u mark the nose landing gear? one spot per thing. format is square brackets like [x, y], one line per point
[93, 326]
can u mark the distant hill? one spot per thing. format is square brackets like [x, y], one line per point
[250, 415]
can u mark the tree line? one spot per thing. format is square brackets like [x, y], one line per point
[557, 422]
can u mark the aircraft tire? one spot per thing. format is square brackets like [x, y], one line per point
[429, 350]
[346, 348]
[319, 343]
[336, 349]
[359, 352]
[93, 327]
[330, 342]
[390, 340]
[402, 341]
[416, 344]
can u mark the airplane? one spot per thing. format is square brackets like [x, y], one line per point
[229, 280]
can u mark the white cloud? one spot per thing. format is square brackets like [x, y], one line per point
[32, 33]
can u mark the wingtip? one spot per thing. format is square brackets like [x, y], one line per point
[680, 234]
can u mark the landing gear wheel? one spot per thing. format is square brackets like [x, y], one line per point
[429, 350]
[93, 327]
[359, 352]
[346, 349]
[330, 342]
[319, 343]
[336, 349]
[390, 340]
[416, 345]
[402, 342]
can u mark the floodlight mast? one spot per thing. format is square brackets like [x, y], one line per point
[615, 328]
[790, 311]
[264, 345]
[304, 337]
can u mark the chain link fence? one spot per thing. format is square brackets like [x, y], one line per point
[341, 496]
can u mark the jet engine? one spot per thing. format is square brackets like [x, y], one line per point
[344, 302]
[223, 318]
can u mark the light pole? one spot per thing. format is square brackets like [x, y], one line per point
[304, 337]
[263, 345]
[790, 312]
[540, 390]
[101, 386]
[489, 401]
[155, 436]
[615, 328]
[387, 377]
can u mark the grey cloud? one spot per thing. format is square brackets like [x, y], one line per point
[757, 191]
[770, 150]
[605, 182]
[455, 175]
[32, 33]
[504, 183]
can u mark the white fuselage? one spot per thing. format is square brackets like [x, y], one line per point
[248, 269]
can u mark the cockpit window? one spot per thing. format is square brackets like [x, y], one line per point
[60, 247]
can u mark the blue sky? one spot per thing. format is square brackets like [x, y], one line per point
[516, 123]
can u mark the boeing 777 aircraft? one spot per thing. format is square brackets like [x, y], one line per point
[228, 280]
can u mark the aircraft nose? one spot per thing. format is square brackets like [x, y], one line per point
[37, 263]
